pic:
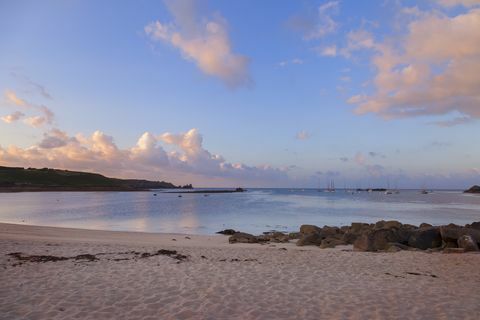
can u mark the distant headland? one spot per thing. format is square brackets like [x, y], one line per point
[18, 179]
[474, 189]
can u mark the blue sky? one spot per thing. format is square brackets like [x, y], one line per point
[223, 93]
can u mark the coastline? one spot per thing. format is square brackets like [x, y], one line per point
[136, 275]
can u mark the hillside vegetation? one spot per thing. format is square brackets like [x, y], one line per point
[21, 179]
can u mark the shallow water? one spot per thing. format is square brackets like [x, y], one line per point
[254, 211]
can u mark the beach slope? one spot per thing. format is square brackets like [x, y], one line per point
[60, 273]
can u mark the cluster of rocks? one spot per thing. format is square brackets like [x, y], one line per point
[381, 236]
[272, 236]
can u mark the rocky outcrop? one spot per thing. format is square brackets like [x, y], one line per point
[309, 229]
[355, 230]
[474, 189]
[274, 236]
[467, 243]
[389, 236]
[313, 235]
[380, 239]
[331, 243]
[241, 237]
[474, 225]
[388, 224]
[425, 238]
[227, 232]
[311, 239]
[451, 233]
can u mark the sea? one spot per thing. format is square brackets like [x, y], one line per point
[254, 211]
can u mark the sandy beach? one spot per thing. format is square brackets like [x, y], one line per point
[126, 275]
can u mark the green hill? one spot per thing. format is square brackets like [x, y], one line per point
[13, 179]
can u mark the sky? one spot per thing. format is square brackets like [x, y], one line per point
[245, 93]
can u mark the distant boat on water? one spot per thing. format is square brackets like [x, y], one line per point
[330, 186]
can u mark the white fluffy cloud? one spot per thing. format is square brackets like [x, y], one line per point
[204, 41]
[432, 70]
[188, 161]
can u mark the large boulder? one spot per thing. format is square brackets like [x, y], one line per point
[355, 231]
[474, 225]
[241, 237]
[466, 242]
[309, 229]
[327, 231]
[388, 224]
[425, 238]
[379, 239]
[331, 243]
[425, 225]
[452, 232]
[312, 239]
[359, 227]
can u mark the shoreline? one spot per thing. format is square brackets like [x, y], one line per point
[64, 273]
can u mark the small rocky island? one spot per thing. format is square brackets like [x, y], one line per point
[474, 189]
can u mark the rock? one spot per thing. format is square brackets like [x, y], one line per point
[382, 224]
[275, 236]
[327, 231]
[466, 242]
[241, 237]
[350, 237]
[331, 243]
[358, 227]
[379, 224]
[474, 225]
[474, 189]
[376, 240]
[355, 231]
[294, 235]
[262, 238]
[452, 232]
[425, 238]
[314, 239]
[392, 224]
[425, 225]
[227, 232]
[308, 229]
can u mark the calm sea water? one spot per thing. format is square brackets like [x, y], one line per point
[254, 211]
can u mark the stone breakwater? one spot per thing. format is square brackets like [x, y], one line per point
[390, 236]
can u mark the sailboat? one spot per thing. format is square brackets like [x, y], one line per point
[388, 191]
[330, 186]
